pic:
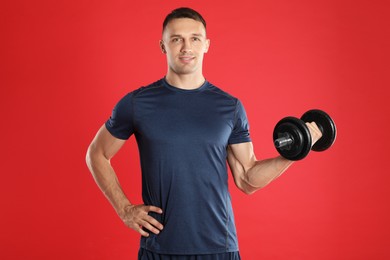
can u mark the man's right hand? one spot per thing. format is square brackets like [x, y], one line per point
[137, 217]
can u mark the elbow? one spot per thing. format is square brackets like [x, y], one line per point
[95, 158]
[248, 189]
[248, 192]
[90, 156]
[250, 185]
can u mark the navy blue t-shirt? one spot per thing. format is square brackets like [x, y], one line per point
[182, 136]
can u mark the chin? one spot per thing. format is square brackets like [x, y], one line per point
[184, 71]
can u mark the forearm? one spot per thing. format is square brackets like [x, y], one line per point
[107, 180]
[265, 171]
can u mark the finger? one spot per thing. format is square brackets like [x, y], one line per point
[139, 229]
[154, 222]
[142, 232]
[314, 128]
[315, 132]
[154, 209]
[151, 228]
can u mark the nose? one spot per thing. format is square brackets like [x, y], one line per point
[186, 46]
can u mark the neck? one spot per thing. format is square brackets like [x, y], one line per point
[185, 81]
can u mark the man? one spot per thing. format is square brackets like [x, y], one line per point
[186, 129]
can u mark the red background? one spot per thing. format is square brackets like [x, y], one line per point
[64, 65]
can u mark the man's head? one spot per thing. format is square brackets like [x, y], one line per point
[184, 41]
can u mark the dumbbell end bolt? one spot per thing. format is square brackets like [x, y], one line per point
[283, 142]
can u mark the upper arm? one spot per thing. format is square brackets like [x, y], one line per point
[241, 158]
[243, 154]
[105, 144]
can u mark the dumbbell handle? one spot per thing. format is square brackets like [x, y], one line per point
[283, 141]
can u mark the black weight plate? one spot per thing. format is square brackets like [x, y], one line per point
[325, 124]
[300, 134]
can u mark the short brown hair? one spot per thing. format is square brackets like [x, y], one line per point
[183, 12]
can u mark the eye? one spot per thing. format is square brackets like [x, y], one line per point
[195, 39]
[175, 40]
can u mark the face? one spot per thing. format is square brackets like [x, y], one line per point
[184, 42]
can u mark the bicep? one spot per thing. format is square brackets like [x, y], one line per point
[241, 158]
[105, 144]
[242, 154]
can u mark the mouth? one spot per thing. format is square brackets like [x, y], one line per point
[186, 59]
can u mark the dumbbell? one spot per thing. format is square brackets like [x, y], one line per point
[292, 137]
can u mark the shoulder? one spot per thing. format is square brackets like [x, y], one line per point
[141, 90]
[213, 88]
[221, 93]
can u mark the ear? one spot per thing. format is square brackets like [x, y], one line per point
[207, 46]
[162, 47]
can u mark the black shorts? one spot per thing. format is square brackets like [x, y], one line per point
[144, 254]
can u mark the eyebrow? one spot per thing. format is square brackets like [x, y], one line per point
[194, 34]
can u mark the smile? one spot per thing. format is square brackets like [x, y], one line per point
[186, 58]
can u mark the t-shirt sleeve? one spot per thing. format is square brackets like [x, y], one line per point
[240, 133]
[120, 123]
